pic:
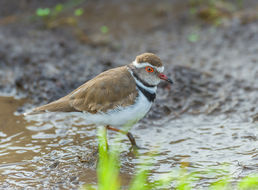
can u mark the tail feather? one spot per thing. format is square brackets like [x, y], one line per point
[61, 105]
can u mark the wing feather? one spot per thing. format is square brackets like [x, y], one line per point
[110, 89]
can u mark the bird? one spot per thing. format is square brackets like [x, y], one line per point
[115, 98]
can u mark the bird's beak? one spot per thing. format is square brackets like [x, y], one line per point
[164, 77]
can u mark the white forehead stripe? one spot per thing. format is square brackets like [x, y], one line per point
[141, 65]
[160, 69]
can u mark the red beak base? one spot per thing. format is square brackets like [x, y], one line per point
[164, 77]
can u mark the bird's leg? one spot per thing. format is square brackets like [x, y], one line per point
[106, 137]
[128, 134]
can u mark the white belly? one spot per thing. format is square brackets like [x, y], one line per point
[121, 116]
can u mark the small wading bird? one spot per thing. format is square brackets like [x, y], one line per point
[115, 98]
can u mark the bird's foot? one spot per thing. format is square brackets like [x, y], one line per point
[82, 160]
[135, 149]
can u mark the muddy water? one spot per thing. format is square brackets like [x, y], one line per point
[30, 152]
[44, 153]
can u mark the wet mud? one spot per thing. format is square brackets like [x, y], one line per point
[207, 119]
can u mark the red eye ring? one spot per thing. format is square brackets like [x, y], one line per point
[149, 69]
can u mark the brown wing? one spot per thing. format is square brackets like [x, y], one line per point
[112, 88]
[115, 87]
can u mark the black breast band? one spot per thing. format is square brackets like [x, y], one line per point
[150, 96]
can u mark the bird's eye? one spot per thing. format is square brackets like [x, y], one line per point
[149, 69]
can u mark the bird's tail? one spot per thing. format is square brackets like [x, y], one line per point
[61, 105]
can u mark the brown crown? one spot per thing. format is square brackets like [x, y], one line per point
[149, 58]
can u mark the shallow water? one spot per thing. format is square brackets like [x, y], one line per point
[44, 153]
[30, 152]
[204, 143]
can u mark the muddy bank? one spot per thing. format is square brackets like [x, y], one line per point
[208, 118]
[213, 75]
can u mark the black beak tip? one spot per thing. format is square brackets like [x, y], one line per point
[170, 81]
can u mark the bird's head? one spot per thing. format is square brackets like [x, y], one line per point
[148, 68]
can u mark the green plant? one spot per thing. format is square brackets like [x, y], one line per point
[52, 13]
[109, 179]
[78, 12]
[42, 12]
[214, 11]
[193, 37]
[109, 167]
[249, 182]
[104, 29]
